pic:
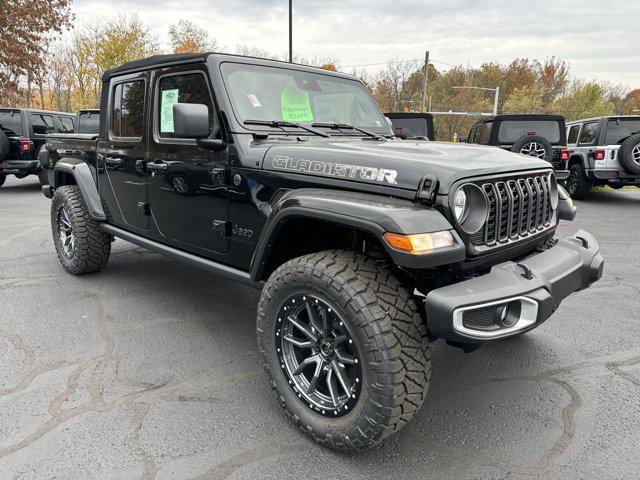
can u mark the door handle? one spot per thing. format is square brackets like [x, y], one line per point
[113, 161]
[157, 166]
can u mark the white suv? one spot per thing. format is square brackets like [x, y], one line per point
[604, 151]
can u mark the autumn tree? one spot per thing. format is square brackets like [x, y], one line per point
[187, 37]
[26, 29]
[583, 101]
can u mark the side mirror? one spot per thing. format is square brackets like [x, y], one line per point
[190, 120]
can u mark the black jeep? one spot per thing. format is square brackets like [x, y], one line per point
[22, 133]
[540, 136]
[365, 247]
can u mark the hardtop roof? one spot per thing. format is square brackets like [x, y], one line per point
[597, 119]
[182, 58]
[520, 116]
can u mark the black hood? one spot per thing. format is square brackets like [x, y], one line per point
[394, 163]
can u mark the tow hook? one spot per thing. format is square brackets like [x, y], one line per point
[527, 273]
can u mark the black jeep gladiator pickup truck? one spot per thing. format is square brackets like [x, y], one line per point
[365, 247]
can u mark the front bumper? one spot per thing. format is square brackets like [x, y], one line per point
[20, 166]
[514, 297]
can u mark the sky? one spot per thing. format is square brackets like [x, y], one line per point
[600, 40]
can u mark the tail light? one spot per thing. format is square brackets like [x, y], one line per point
[564, 154]
[599, 155]
[26, 145]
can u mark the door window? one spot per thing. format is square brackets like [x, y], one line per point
[128, 109]
[42, 124]
[485, 134]
[65, 125]
[589, 133]
[184, 88]
[572, 136]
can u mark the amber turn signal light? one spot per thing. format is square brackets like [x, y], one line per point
[420, 242]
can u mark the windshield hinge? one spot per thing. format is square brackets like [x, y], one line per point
[427, 189]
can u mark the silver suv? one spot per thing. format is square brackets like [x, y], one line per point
[604, 151]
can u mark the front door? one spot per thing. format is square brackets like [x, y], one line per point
[124, 186]
[187, 184]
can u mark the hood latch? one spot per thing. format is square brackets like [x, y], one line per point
[427, 189]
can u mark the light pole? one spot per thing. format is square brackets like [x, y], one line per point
[290, 31]
[495, 98]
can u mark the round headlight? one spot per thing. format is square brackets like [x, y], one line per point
[470, 208]
[460, 207]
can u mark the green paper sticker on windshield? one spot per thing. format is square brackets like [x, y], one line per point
[169, 99]
[295, 106]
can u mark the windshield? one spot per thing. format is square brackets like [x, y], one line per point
[273, 93]
[11, 123]
[619, 130]
[88, 122]
[512, 130]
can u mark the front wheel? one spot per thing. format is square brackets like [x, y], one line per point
[80, 244]
[3, 178]
[344, 348]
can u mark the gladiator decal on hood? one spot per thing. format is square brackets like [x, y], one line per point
[331, 169]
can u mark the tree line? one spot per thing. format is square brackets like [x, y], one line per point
[48, 60]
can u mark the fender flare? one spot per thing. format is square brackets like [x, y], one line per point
[370, 213]
[583, 157]
[85, 180]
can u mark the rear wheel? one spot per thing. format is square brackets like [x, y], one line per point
[80, 244]
[3, 178]
[577, 185]
[344, 347]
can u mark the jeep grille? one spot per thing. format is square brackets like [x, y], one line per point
[518, 208]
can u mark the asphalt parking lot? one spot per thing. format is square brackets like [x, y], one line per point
[150, 369]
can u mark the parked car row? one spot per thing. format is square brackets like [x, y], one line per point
[23, 132]
[591, 152]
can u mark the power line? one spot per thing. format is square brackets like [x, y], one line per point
[397, 61]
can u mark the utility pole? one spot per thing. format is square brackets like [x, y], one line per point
[426, 80]
[495, 101]
[290, 31]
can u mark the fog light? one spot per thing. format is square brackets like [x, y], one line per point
[509, 314]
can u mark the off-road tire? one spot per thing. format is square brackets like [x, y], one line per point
[92, 246]
[525, 140]
[389, 334]
[577, 184]
[5, 146]
[3, 178]
[43, 176]
[626, 155]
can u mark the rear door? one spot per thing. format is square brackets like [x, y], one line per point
[187, 184]
[124, 152]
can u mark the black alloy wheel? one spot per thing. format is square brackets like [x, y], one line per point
[318, 355]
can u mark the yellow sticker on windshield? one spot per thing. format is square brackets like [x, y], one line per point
[295, 106]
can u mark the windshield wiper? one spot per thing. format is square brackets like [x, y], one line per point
[284, 123]
[346, 126]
